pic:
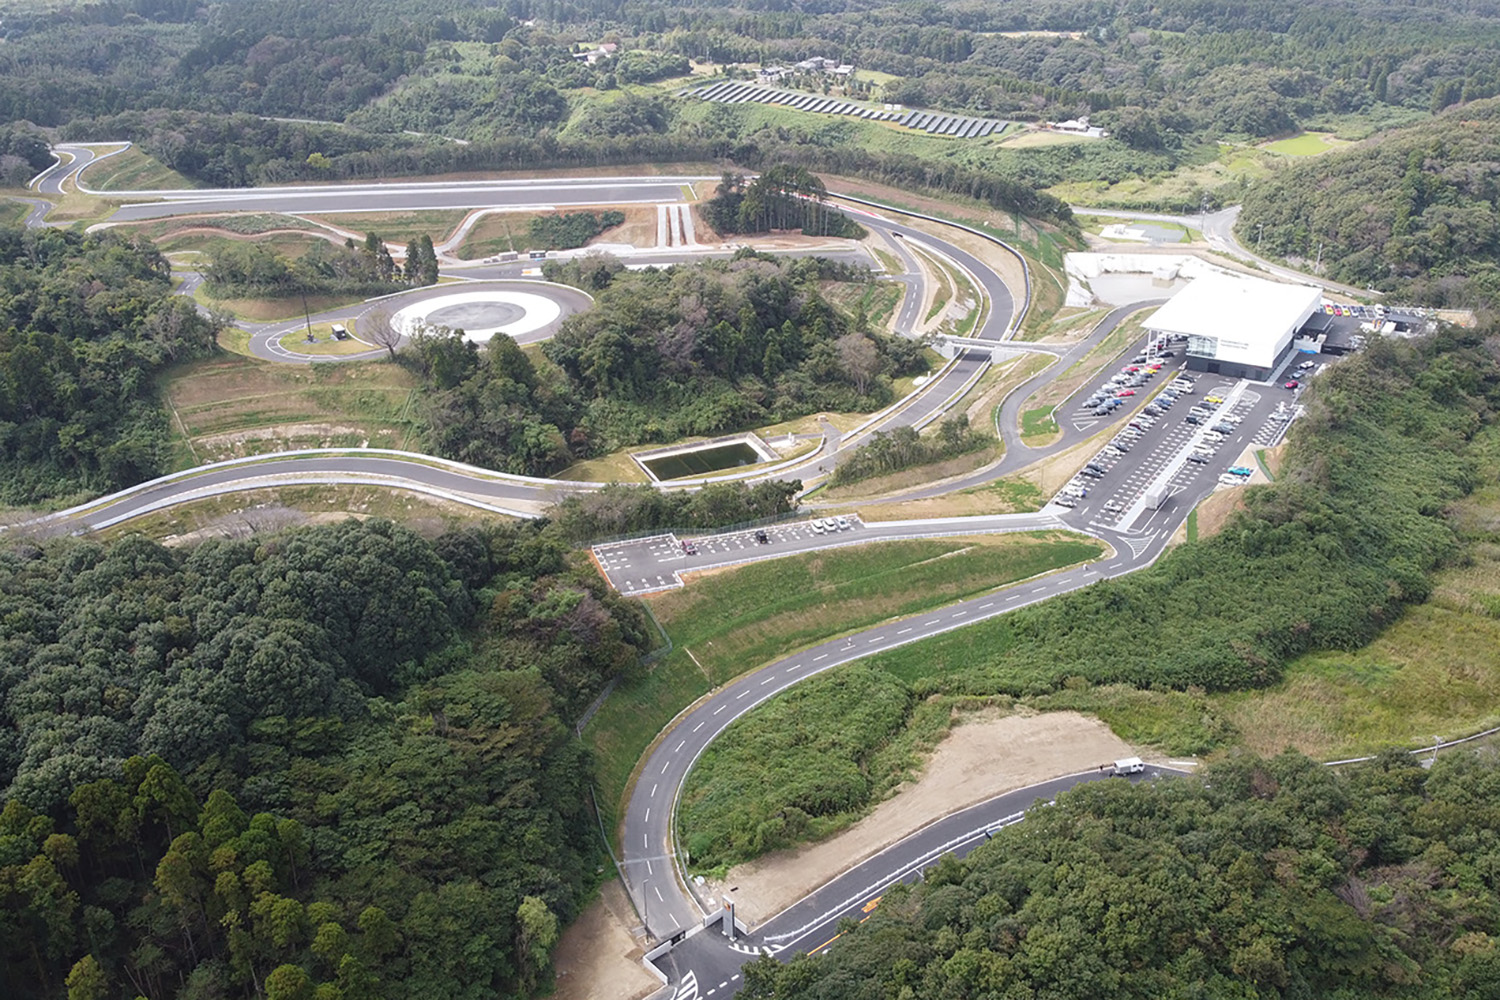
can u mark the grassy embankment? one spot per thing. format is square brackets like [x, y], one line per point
[727, 623]
[271, 310]
[1266, 634]
[133, 170]
[228, 408]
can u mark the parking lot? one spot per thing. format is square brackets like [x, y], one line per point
[1180, 446]
[645, 565]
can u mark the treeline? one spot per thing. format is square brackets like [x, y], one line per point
[567, 230]
[903, 448]
[333, 759]
[782, 197]
[622, 509]
[1415, 212]
[24, 153]
[246, 269]
[86, 324]
[1261, 879]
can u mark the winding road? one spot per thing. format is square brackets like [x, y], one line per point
[693, 959]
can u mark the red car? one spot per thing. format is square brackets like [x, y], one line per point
[1131, 368]
[1292, 384]
[1124, 393]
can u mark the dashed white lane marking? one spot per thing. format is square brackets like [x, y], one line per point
[665, 766]
[742, 694]
[903, 631]
[648, 815]
[991, 604]
[820, 656]
[654, 787]
[645, 841]
[697, 727]
[679, 746]
[933, 622]
[874, 639]
[767, 681]
[658, 894]
[720, 709]
[958, 614]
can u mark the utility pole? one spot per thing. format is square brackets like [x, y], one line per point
[1260, 231]
[1318, 265]
[307, 318]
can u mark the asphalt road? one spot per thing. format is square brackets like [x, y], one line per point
[405, 197]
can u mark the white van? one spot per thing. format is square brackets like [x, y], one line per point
[1130, 765]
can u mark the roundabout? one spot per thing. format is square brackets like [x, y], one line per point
[524, 309]
[523, 315]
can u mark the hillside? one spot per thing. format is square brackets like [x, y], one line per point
[1411, 212]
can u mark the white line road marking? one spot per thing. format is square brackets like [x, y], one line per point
[679, 746]
[720, 709]
[742, 694]
[674, 919]
[820, 656]
[933, 622]
[654, 787]
[875, 638]
[697, 727]
[648, 814]
[959, 614]
[657, 888]
[645, 841]
[989, 605]
[767, 681]
[903, 631]
[665, 766]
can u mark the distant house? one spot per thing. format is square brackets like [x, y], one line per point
[1077, 126]
[844, 69]
[817, 64]
[594, 55]
[771, 74]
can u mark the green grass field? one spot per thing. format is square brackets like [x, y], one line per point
[398, 227]
[1037, 424]
[1305, 144]
[12, 212]
[728, 623]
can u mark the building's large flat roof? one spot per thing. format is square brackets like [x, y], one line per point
[1249, 314]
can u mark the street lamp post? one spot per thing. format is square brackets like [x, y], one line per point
[1259, 232]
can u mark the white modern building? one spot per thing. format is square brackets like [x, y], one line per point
[1237, 326]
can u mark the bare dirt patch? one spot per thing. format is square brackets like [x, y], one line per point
[597, 957]
[984, 756]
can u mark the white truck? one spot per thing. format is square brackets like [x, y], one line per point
[1155, 497]
[1129, 765]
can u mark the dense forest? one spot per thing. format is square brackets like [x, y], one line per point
[1263, 879]
[1416, 211]
[1345, 539]
[663, 355]
[86, 322]
[333, 756]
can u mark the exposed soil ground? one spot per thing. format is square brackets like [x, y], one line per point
[978, 760]
[598, 957]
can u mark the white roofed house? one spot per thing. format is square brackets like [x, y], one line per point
[1237, 326]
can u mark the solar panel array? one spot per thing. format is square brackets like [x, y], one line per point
[931, 122]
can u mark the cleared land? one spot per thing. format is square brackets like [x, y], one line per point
[502, 232]
[985, 754]
[230, 408]
[398, 227]
[732, 621]
[270, 310]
